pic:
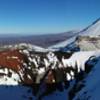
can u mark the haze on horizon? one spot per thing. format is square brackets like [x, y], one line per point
[46, 16]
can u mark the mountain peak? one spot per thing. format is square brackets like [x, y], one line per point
[93, 29]
[96, 21]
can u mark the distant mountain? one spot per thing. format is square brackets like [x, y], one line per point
[43, 40]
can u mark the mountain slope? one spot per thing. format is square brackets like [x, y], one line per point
[62, 44]
[92, 30]
[92, 85]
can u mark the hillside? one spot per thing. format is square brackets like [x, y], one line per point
[91, 87]
[92, 30]
[68, 70]
[23, 67]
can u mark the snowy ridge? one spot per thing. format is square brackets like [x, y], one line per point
[32, 47]
[28, 46]
[80, 58]
[93, 30]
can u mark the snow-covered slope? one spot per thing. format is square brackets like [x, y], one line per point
[62, 44]
[24, 93]
[6, 80]
[16, 93]
[91, 91]
[57, 96]
[80, 58]
[31, 47]
[92, 31]
[91, 81]
[27, 46]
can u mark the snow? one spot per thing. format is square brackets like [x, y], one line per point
[29, 77]
[62, 44]
[92, 85]
[92, 30]
[26, 52]
[36, 48]
[68, 76]
[72, 73]
[6, 80]
[57, 96]
[86, 45]
[5, 71]
[25, 64]
[26, 46]
[33, 60]
[40, 75]
[46, 62]
[92, 81]
[15, 93]
[80, 59]
[52, 58]
[41, 70]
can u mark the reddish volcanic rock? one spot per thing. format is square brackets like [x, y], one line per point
[12, 59]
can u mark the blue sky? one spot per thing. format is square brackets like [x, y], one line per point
[46, 16]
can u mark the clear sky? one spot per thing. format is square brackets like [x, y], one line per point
[46, 16]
